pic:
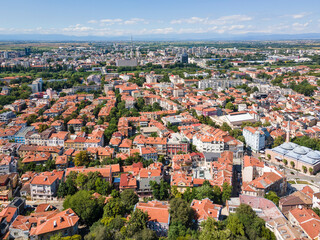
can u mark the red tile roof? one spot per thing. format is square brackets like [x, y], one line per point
[157, 211]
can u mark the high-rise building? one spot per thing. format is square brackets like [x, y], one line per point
[255, 138]
[184, 58]
[27, 51]
[36, 85]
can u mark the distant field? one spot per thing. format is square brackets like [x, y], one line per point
[39, 45]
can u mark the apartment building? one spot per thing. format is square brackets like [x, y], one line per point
[255, 138]
[44, 186]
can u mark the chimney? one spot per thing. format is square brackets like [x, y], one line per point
[55, 224]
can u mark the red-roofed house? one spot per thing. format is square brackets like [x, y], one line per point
[64, 223]
[252, 168]
[44, 186]
[307, 220]
[127, 181]
[181, 181]
[159, 217]
[205, 208]
[77, 124]
[269, 181]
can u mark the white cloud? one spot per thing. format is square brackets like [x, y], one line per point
[118, 21]
[93, 21]
[301, 26]
[219, 21]
[297, 15]
[191, 20]
[135, 21]
[111, 21]
[77, 29]
[300, 15]
[238, 18]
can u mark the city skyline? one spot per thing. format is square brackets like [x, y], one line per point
[168, 19]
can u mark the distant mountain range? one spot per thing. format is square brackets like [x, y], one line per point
[177, 37]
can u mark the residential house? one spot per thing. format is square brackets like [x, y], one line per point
[58, 139]
[152, 173]
[77, 124]
[8, 164]
[44, 186]
[64, 223]
[299, 198]
[307, 220]
[181, 181]
[269, 181]
[39, 139]
[159, 216]
[255, 138]
[251, 168]
[127, 181]
[205, 209]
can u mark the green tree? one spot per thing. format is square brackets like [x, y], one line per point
[81, 180]
[205, 191]
[235, 226]
[253, 225]
[137, 222]
[145, 234]
[317, 211]
[102, 187]
[154, 134]
[67, 188]
[42, 127]
[272, 196]
[113, 208]
[226, 192]
[71, 130]
[179, 231]
[129, 198]
[225, 127]
[305, 169]
[230, 106]
[310, 170]
[180, 211]
[160, 190]
[278, 141]
[88, 208]
[98, 232]
[292, 164]
[188, 194]
[82, 158]
[211, 229]
[31, 119]
[156, 107]
[285, 161]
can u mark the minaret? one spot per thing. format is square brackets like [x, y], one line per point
[288, 132]
[131, 52]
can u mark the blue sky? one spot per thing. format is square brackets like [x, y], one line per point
[159, 17]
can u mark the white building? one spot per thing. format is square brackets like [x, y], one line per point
[255, 138]
[58, 139]
[44, 187]
[316, 200]
[205, 143]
